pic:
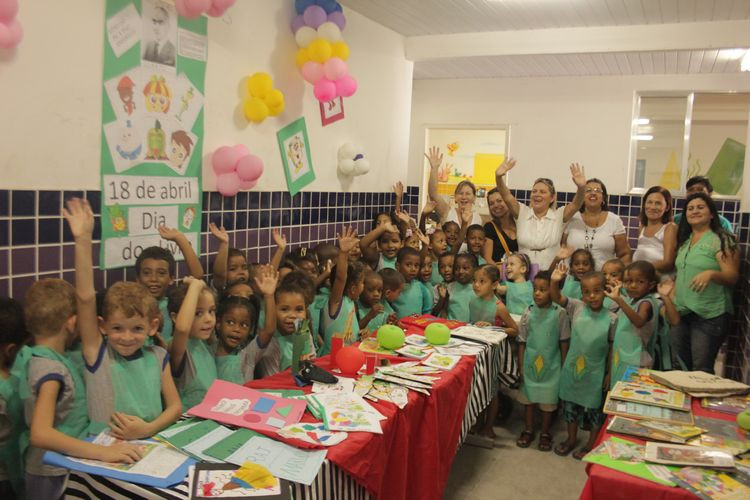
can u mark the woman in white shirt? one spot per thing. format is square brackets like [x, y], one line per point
[657, 242]
[596, 229]
[539, 227]
[464, 195]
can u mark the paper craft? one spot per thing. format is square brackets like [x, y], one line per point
[124, 30]
[182, 436]
[228, 481]
[622, 425]
[680, 431]
[442, 361]
[417, 340]
[275, 422]
[313, 433]
[263, 405]
[197, 447]
[230, 444]
[411, 351]
[363, 385]
[676, 454]
[642, 411]
[637, 375]
[392, 393]
[699, 382]
[621, 451]
[600, 456]
[177, 427]
[234, 405]
[709, 484]
[649, 394]
[348, 412]
[343, 384]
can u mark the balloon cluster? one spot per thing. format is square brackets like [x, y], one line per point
[235, 169]
[352, 161]
[10, 30]
[264, 100]
[322, 51]
[194, 8]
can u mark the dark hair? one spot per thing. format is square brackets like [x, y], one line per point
[400, 233]
[667, 215]
[406, 252]
[543, 275]
[684, 230]
[465, 183]
[492, 272]
[604, 194]
[699, 179]
[369, 274]
[297, 282]
[474, 227]
[355, 271]
[390, 215]
[298, 258]
[326, 251]
[620, 264]
[524, 260]
[647, 269]
[392, 279]
[468, 256]
[583, 251]
[12, 327]
[423, 256]
[435, 233]
[176, 297]
[493, 191]
[235, 252]
[595, 274]
[448, 223]
[156, 253]
[445, 254]
[231, 302]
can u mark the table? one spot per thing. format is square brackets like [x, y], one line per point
[604, 482]
[412, 458]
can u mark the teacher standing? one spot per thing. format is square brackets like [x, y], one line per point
[539, 227]
[500, 232]
[464, 196]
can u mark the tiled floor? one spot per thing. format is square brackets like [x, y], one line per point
[511, 472]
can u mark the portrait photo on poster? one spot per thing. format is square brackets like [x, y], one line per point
[331, 111]
[159, 39]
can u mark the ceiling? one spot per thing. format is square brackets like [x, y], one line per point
[430, 25]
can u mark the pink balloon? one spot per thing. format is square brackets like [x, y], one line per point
[324, 90]
[314, 16]
[242, 149]
[335, 68]
[10, 35]
[346, 86]
[338, 19]
[219, 7]
[8, 10]
[228, 184]
[245, 185]
[250, 168]
[225, 159]
[297, 23]
[312, 72]
[192, 8]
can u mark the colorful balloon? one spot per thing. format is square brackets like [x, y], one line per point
[329, 31]
[245, 185]
[255, 110]
[338, 19]
[8, 11]
[225, 158]
[305, 36]
[324, 90]
[391, 337]
[192, 8]
[303, 55]
[312, 72]
[437, 333]
[314, 16]
[335, 68]
[260, 84]
[320, 50]
[228, 184]
[249, 168]
[350, 359]
[301, 5]
[10, 34]
[275, 102]
[297, 23]
[242, 150]
[328, 5]
[340, 49]
[346, 86]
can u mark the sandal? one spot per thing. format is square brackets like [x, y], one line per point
[563, 449]
[524, 441]
[545, 441]
[578, 455]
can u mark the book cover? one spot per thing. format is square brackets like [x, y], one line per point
[677, 454]
[641, 411]
[622, 425]
[650, 394]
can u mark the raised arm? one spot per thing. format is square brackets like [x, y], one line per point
[347, 240]
[505, 194]
[398, 188]
[267, 279]
[220, 263]
[191, 259]
[578, 175]
[184, 322]
[466, 217]
[557, 276]
[428, 208]
[80, 218]
[436, 159]
[368, 253]
[278, 255]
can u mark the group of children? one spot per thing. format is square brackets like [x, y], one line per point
[74, 362]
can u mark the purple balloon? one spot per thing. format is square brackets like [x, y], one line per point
[315, 16]
[298, 22]
[338, 19]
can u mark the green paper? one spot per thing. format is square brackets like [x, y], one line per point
[230, 444]
[184, 438]
[284, 393]
[294, 147]
[634, 469]
[284, 411]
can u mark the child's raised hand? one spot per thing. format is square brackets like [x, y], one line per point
[279, 238]
[466, 216]
[398, 188]
[565, 252]
[665, 288]
[388, 226]
[121, 453]
[80, 217]
[347, 239]
[219, 233]
[424, 239]
[403, 216]
[429, 207]
[613, 292]
[267, 279]
[505, 167]
[169, 233]
[560, 271]
[577, 174]
[128, 426]
[192, 281]
[434, 157]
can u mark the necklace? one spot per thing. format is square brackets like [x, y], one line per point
[589, 244]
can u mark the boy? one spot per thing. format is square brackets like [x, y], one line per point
[389, 240]
[460, 291]
[393, 284]
[475, 242]
[372, 311]
[410, 300]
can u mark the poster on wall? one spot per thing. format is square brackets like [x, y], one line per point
[295, 156]
[152, 128]
[332, 111]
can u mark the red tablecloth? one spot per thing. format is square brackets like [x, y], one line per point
[413, 456]
[604, 482]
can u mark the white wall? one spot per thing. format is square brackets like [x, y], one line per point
[554, 121]
[50, 96]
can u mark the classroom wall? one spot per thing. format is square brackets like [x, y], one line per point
[51, 96]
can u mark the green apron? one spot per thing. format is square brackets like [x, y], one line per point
[572, 288]
[316, 309]
[10, 453]
[409, 300]
[347, 314]
[585, 365]
[458, 304]
[542, 358]
[229, 368]
[628, 345]
[428, 297]
[376, 322]
[480, 260]
[286, 348]
[386, 263]
[482, 310]
[166, 330]
[519, 296]
[436, 278]
[205, 374]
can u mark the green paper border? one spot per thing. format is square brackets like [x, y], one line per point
[281, 136]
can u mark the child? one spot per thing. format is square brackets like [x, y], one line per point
[475, 242]
[339, 316]
[636, 320]
[239, 290]
[613, 270]
[121, 373]
[389, 240]
[192, 307]
[445, 265]
[372, 311]
[425, 275]
[393, 284]
[452, 231]
[13, 336]
[484, 307]
[584, 372]
[517, 290]
[53, 393]
[543, 339]
[460, 292]
[438, 246]
[581, 262]
[410, 300]
[230, 266]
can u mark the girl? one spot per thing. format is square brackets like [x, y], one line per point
[581, 262]
[484, 307]
[460, 292]
[475, 240]
[543, 337]
[438, 246]
[452, 230]
[230, 266]
[516, 288]
[425, 275]
[389, 242]
[657, 241]
[636, 320]
[411, 299]
[338, 315]
[192, 307]
[372, 311]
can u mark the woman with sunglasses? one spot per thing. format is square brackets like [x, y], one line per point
[596, 229]
[539, 226]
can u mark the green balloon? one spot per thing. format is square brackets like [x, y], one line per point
[437, 334]
[391, 337]
[743, 420]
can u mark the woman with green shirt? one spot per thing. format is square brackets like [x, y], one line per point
[707, 268]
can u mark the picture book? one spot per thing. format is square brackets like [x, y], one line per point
[723, 428]
[641, 411]
[348, 412]
[489, 335]
[371, 345]
[441, 361]
[622, 425]
[732, 446]
[650, 394]
[631, 462]
[729, 404]
[412, 351]
[411, 367]
[681, 431]
[677, 454]
[404, 382]
[709, 484]
[465, 349]
[392, 393]
[638, 375]
[230, 481]
[417, 340]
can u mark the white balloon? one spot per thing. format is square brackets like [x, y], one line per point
[361, 166]
[347, 150]
[346, 167]
[330, 31]
[305, 35]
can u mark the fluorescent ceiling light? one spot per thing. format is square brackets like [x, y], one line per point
[745, 64]
[644, 137]
[642, 121]
[735, 53]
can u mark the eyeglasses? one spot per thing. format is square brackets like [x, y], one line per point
[594, 190]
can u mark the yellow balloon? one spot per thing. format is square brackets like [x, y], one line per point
[260, 84]
[302, 57]
[274, 99]
[320, 50]
[276, 110]
[255, 110]
[340, 50]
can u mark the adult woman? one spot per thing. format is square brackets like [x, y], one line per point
[539, 226]
[596, 229]
[464, 195]
[707, 268]
[501, 231]
[657, 242]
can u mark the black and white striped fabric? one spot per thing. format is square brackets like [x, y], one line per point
[331, 482]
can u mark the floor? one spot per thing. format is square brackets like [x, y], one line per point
[511, 472]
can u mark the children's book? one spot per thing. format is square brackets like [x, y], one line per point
[490, 335]
[348, 412]
[650, 394]
[729, 404]
[363, 385]
[412, 351]
[403, 382]
[343, 384]
[313, 433]
[466, 349]
[417, 340]
[698, 382]
[228, 481]
[633, 464]
[732, 446]
[723, 428]
[641, 411]
[680, 431]
[371, 345]
[622, 425]
[638, 375]
[385, 391]
[411, 367]
[677, 454]
[710, 484]
[441, 361]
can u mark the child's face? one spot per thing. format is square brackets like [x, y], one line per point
[309, 268]
[373, 291]
[413, 242]
[483, 285]
[542, 295]
[463, 271]
[205, 317]
[592, 289]
[234, 327]
[127, 335]
[389, 244]
[515, 268]
[409, 267]
[475, 241]
[637, 284]
[355, 290]
[382, 219]
[445, 268]
[425, 270]
[237, 270]
[154, 275]
[612, 272]
[438, 242]
[355, 253]
[240, 290]
[580, 264]
[289, 307]
[393, 294]
[451, 233]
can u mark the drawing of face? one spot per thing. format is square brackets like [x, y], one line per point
[177, 155]
[295, 151]
[160, 23]
[157, 94]
[187, 217]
